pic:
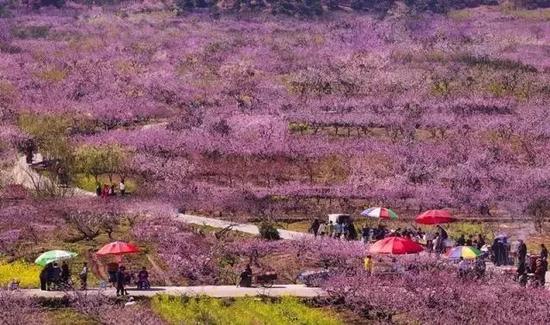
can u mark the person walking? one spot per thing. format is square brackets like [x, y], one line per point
[365, 233]
[314, 227]
[323, 229]
[65, 274]
[461, 241]
[352, 232]
[522, 252]
[120, 281]
[83, 275]
[543, 252]
[55, 275]
[330, 229]
[337, 230]
[540, 271]
[122, 187]
[44, 277]
[98, 189]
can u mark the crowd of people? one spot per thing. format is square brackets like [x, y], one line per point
[54, 277]
[106, 190]
[343, 230]
[530, 268]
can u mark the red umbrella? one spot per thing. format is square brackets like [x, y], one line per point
[396, 246]
[434, 217]
[118, 248]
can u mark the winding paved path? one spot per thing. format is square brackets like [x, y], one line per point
[23, 174]
[211, 291]
[242, 227]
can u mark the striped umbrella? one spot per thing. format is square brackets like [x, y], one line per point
[53, 256]
[382, 213]
[466, 252]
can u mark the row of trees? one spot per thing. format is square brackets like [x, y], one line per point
[437, 115]
[64, 159]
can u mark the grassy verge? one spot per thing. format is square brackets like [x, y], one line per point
[239, 311]
[66, 316]
[88, 183]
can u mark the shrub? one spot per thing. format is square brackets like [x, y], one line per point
[269, 232]
[26, 273]
[242, 311]
[30, 32]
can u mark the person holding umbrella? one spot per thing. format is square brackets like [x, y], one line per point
[48, 260]
[65, 274]
[121, 281]
[44, 277]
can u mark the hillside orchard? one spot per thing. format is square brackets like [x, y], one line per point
[276, 111]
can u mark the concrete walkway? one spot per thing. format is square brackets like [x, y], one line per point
[211, 291]
[242, 227]
[24, 175]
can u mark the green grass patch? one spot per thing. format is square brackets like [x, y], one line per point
[205, 310]
[88, 183]
[27, 274]
[67, 316]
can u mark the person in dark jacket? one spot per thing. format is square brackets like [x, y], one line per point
[543, 252]
[365, 233]
[246, 277]
[461, 241]
[540, 271]
[120, 281]
[112, 269]
[315, 227]
[143, 279]
[44, 277]
[65, 273]
[54, 276]
[351, 231]
[522, 252]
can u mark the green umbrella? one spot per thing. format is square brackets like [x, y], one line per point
[54, 256]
